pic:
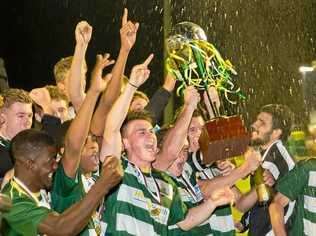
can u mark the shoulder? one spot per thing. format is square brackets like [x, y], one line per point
[308, 163]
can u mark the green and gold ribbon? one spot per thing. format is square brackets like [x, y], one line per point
[198, 63]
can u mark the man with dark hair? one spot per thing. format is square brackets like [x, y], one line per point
[35, 154]
[136, 115]
[184, 176]
[271, 127]
[282, 118]
[147, 201]
[188, 167]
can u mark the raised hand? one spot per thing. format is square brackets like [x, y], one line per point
[111, 171]
[99, 83]
[42, 98]
[169, 83]
[140, 73]
[222, 196]
[128, 32]
[191, 96]
[83, 33]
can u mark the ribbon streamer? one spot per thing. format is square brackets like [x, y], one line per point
[198, 63]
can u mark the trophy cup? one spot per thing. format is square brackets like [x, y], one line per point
[194, 61]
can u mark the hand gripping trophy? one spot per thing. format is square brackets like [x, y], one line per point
[194, 61]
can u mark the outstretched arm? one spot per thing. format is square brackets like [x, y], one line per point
[176, 138]
[79, 128]
[128, 34]
[252, 161]
[76, 83]
[200, 213]
[112, 144]
[74, 219]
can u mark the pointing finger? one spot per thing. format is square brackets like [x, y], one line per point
[148, 60]
[124, 18]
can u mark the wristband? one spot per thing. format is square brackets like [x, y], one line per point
[133, 85]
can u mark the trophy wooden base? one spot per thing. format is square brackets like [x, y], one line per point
[222, 138]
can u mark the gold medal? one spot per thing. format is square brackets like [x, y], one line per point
[98, 229]
[96, 223]
[155, 212]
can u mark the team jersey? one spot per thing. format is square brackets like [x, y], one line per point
[143, 204]
[27, 211]
[191, 196]
[278, 161]
[221, 221]
[67, 191]
[300, 185]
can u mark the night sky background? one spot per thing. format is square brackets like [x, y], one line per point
[266, 41]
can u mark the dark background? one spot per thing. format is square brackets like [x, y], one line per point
[39, 32]
[266, 40]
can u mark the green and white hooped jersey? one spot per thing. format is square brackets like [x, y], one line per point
[300, 184]
[68, 191]
[191, 195]
[221, 221]
[143, 204]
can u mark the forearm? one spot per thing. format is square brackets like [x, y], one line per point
[111, 143]
[119, 110]
[175, 139]
[74, 85]
[110, 95]
[74, 219]
[220, 181]
[197, 215]
[77, 134]
[276, 212]
[247, 201]
[48, 110]
[158, 102]
[181, 126]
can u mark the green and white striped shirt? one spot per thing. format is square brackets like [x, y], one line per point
[191, 195]
[143, 204]
[221, 221]
[300, 184]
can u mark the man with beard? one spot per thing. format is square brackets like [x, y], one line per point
[271, 127]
